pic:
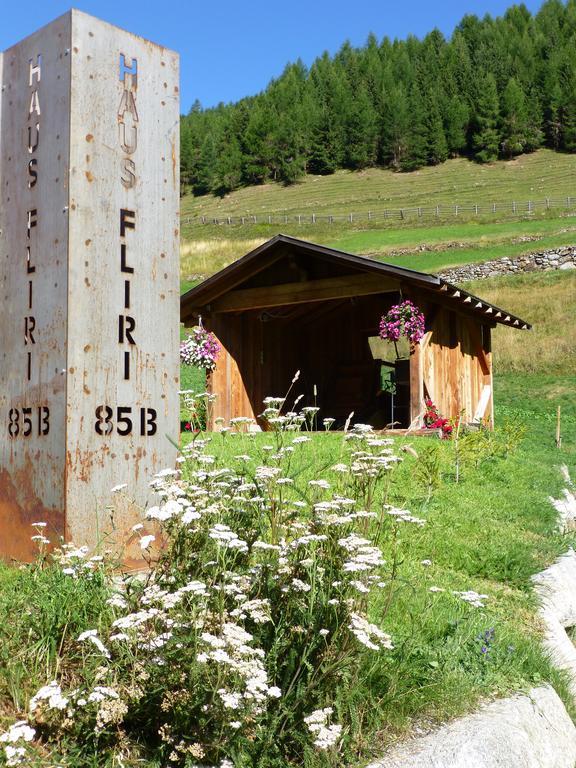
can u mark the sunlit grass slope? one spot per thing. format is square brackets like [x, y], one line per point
[428, 244]
[547, 300]
[544, 173]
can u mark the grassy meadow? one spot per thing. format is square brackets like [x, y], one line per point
[484, 497]
[491, 530]
[458, 181]
[427, 244]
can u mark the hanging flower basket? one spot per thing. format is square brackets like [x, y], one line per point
[404, 319]
[200, 349]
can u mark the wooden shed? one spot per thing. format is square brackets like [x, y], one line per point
[291, 305]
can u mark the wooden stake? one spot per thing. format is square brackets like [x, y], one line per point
[558, 435]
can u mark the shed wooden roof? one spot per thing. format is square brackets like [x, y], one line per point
[209, 294]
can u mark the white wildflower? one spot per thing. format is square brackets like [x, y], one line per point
[266, 546]
[14, 755]
[300, 586]
[404, 516]
[92, 636]
[19, 731]
[189, 515]
[472, 598]
[325, 735]
[117, 601]
[267, 473]
[324, 484]
[230, 700]
[167, 473]
[369, 634]
[101, 692]
[52, 695]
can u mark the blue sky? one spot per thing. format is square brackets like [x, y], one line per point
[229, 48]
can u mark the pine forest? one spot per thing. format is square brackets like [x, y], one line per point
[497, 88]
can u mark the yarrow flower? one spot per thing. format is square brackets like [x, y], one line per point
[471, 597]
[51, 696]
[369, 634]
[326, 735]
[19, 731]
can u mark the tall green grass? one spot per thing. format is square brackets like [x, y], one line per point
[453, 240]
[459, 181]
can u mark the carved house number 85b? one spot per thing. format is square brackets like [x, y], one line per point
[105, 420]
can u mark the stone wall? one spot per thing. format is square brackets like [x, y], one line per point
[560, 258]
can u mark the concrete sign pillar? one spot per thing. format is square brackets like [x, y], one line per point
[89, 280]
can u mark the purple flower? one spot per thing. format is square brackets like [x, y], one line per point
[404, 319]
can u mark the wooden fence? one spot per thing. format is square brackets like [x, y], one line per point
[420, 212]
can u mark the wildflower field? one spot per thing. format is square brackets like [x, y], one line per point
[312, 595]
[317, 594]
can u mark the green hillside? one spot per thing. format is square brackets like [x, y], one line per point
[427, 242]
[535, 176]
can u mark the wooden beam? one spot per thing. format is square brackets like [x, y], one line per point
[346, 286]
[416, 387]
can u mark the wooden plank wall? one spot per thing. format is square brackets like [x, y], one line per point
[227, 381]
[456, 365]
[327, 342]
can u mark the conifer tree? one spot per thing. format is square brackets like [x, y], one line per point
[227, 171]
[395, 128]
[258, 161]
[515, 128]
[553, 117]
[362, 131]
[455, 125]
[418, 136]
[486, 138]
[437, 146]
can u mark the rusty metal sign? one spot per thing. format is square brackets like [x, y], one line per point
[89, 280]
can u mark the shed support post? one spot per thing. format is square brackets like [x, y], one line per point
[416, 388]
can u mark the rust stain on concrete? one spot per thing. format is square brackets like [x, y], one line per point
[19, 508]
